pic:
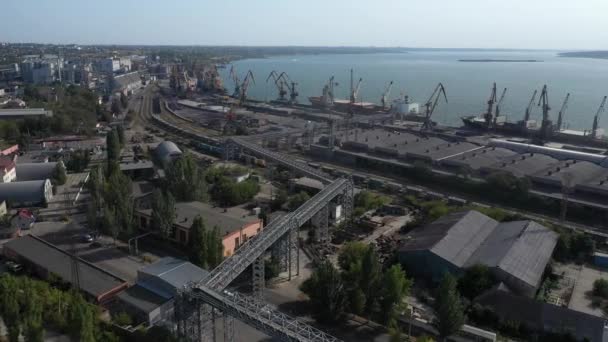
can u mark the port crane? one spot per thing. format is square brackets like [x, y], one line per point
[237, 82]
[544, 101]
[385, 95]
[489, 113]
[291, 85]
[328, 92]
[529, 108]
[499, 104]
[245, 86]
[430, 106]
[596, 118]
[354, 90]
[562, 111]
[280, 83]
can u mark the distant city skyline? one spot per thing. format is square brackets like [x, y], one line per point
[514, 24]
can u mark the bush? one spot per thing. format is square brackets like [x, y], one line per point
[600, 288]
[122, 319]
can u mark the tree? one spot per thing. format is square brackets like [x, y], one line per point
[368, 200]
[116, 107]
[118, 197]
[124, 101]
[279, 200]
[163, 212]
[59, 175]
[198, 243]
[600, 288]
[112, 146]
[448, 307]
[395, 287]
[215, 251]
[297, 200]
[109, 222]
[371, 275]
[186, 180]
[351, 253]
[326, 292]
[120, 133]
[476, 280]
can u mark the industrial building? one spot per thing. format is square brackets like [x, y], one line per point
[151, 299]
[26, 194]
[543, 317]
[45, 259]
[35, 171]
[517, 252]
[41, 69]
[24, 113]
[167, 151]
[236, 224]
[126, 83]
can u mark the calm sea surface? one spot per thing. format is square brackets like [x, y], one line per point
[467, 84]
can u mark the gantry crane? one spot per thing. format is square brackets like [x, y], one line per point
[489, 115]
[280, 83]
[354, 90]
[543, 101]
[529, 108]
[237, 82]
[562, 112]
[327, 99]
[430, 106]
[245, 86]
[596, 118]
[291, 85]
[385, 95]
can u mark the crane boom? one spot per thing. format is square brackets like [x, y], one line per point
[543, 101]
[245, 86]
[562, 112]
[529, 108]
[291, 85]
[280, 83]
[430, 106]
[491, 101]
[386, 94]
[499, 104]
[596, 118]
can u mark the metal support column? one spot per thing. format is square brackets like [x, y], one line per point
[258, 278]
[294, 253]
[321, 223]
[228, 328]
[280, 252]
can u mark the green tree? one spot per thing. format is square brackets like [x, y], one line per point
[600, 288]
[163, 212]
[395, 287]
[116, 107]
[279, 200]
[297, 200]
[112, 146]
[351, 253]
[110, 225]
[118, 197]
[120, 133]
[215, 249]
[198, 245]
[370, 280]
[476, 280]
[186, 180]
[448, 307]
[326, 292]
[124, 101]
[59, 175]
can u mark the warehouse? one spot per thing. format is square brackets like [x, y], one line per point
[45, 259]
[26, 194]
[517, 252]
[16, 114]
[34, 171]
[151, 299]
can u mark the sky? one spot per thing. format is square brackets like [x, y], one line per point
[526, 24]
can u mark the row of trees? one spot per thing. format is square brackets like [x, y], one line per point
[361, 287]
[205, 245]
[28, 306]
[225, 190]
[186, 180]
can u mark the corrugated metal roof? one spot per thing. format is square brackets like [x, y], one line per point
[93, 280]
[23, 192]
[172, 271]
[167, 150]
[34, 171]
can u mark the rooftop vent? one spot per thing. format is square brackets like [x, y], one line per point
[549, 173]
[523, 157]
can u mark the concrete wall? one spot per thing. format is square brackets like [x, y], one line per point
[234, 240]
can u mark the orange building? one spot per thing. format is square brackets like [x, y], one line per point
[236, 224]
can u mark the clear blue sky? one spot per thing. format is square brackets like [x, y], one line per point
[543, 24]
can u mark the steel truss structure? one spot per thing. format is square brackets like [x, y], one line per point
[194, 315]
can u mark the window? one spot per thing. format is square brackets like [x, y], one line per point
[236, 242]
